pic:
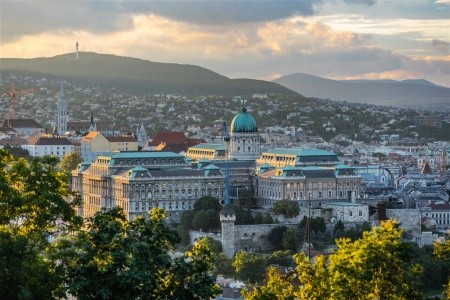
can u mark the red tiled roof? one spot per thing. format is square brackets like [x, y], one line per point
[168, 137]
[12, 142]
[439, 206]
[48, 140]
[115, 139]
[20, 123]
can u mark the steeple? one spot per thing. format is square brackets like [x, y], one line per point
[61, 124]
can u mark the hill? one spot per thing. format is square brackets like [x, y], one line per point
[407, 93]
[139, 76]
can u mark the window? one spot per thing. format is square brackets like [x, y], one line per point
[360, 213]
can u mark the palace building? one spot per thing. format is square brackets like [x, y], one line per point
[138, 181]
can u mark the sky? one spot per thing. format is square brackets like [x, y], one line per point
[260, 39]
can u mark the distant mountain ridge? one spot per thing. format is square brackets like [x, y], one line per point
[410, 93]
[140, 76]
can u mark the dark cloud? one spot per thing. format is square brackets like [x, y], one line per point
[31, 17]
[441, 46]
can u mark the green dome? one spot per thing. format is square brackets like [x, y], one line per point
[244, 122]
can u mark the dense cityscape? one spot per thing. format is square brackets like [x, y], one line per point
[232, 149]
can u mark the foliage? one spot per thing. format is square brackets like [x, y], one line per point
[243, 216]
[249, 266]
[442, 252]
[206, 203]
[374, 267]
[287, 208]
[275, 236]
[223, 265]
[70, 162]
[247, 199]
[291, 239]
[206, 220]
[17, 152]
[281, 258]
[118, 259]
[36, 204]
[213, 245]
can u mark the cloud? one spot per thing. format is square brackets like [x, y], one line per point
[441, 46]
[29, 17]
[253, 50]
[363, 2]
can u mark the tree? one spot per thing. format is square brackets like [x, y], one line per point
[249, 266]
[206, 220]
[117, 259]
[442, 252]
[70, 162]
[268, 219]
[291, 239]
[287, 208]
[275, 236]
[207, 202]
[213, 245]
[35, 205]
[243, 216]
[374, 267]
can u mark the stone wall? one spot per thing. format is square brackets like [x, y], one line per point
[410, 219]
[197, 235]
[254, 237]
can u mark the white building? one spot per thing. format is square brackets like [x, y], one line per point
[48, 145]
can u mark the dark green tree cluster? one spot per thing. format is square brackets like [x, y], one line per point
[45, 253]
[251, 267]
[287, 208]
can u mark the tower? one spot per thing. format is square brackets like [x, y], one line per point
[227, 219]
[244, 137]
[443, 166]
[141, 136]
[61, 124]
[76, 47]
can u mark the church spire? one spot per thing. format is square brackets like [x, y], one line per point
[61, 124]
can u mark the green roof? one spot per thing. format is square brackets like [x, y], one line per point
[210, 146]
[244, 122]
[146, 154]
[300, 151]
[346, 204]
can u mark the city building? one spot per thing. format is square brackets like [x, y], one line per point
[316, 184]
[244, 137]
[207, 151]
[282, 157]
[138, 181]
[48, 145]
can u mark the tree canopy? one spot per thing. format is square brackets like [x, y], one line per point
[35, 205]
[123, 259]
[373, 267]
[287, 208]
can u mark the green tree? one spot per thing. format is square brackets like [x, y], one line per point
[35, 205]
[268, 219]
[206, 220]
[291, 239]
[275, 237]
[223, 265]
[70, 162]
[442, 252]
[374, 267]
[243, 216]
[287, 208]
[213, 245]
[206, 203]
[249, 266]
[117, 259]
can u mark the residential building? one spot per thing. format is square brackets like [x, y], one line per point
[48, 145]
